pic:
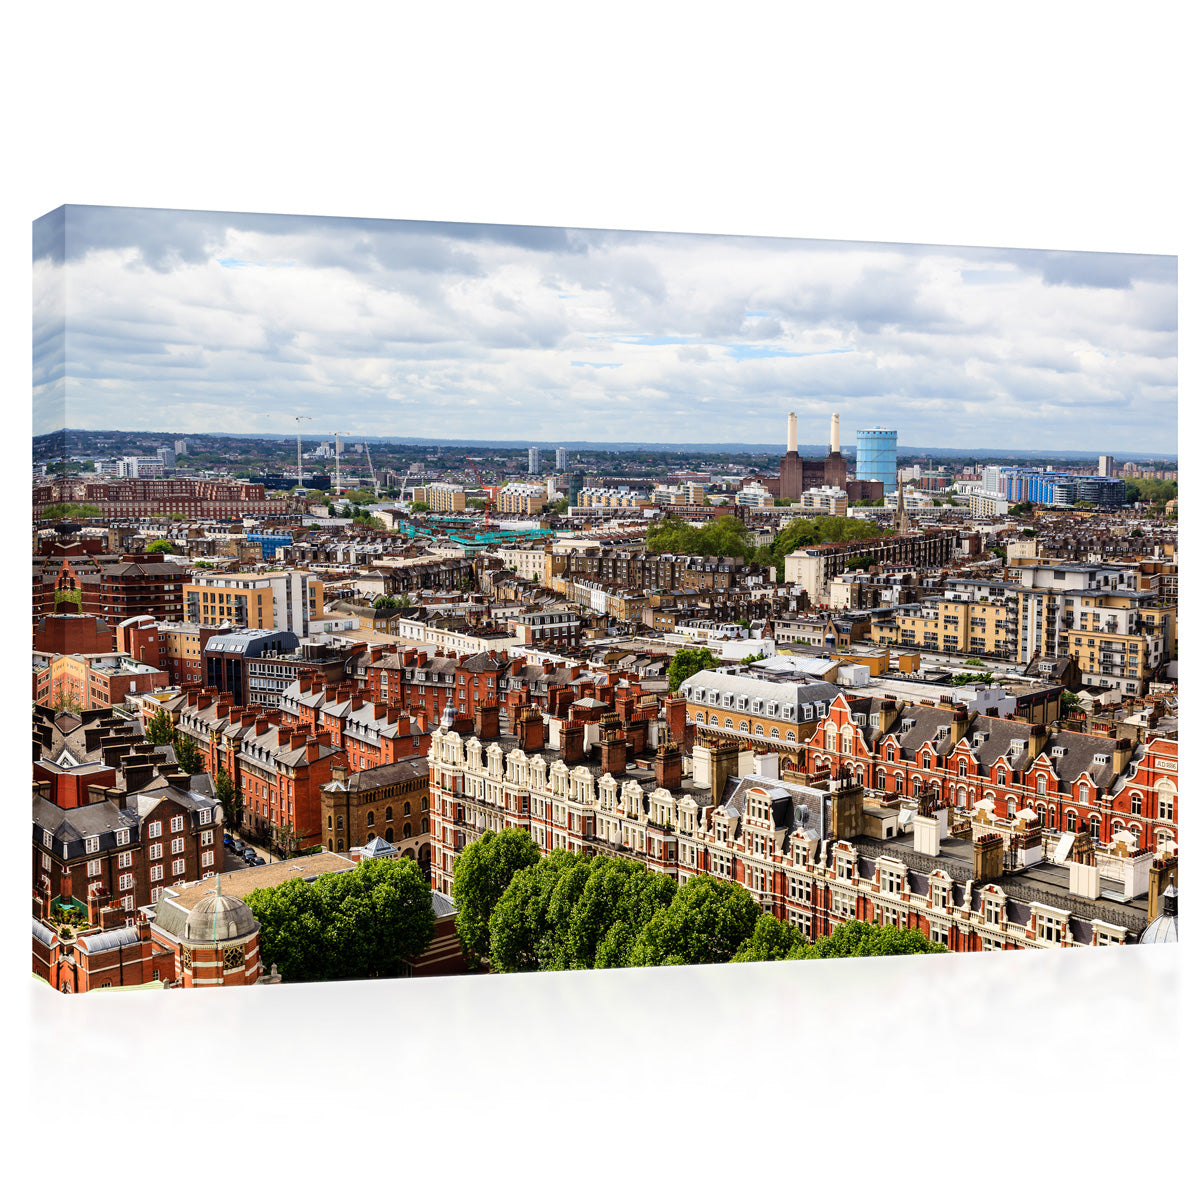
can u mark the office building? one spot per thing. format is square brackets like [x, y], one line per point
[1108, 465]
[535, 460]
[876, 456]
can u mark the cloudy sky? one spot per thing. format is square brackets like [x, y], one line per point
[194, 322]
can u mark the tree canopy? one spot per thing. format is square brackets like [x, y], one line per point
[769, 941]
[60, 512]
[482, 872]
[1151, 491]
[161, 546]
[568, 912]
[686, 662]
[363, 924]
[187, 755]
[706, 922]
[386, 602]
[856, 939]
[159, 730]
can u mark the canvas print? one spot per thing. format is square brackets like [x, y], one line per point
[424, 599]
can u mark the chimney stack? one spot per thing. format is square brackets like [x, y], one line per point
[791, 433]
[571, 738]
[835, 435]
[989, 857]
[531, 730]
[668, 766]
[487, 721]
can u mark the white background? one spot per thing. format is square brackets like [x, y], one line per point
[1048, 126]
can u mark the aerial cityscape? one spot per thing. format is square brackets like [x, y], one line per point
[419, 600]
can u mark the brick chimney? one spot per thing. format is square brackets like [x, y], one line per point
[889, 713]
[571, 741]
[989, 857]
[1122, 752]
[639, 734]
[613, 747]
[1037, 740]
[261, 725]
[531, 731]
[623, 703]
[487, 721]
[376, 653]
[675, 707]
[668, 766]
[312, 750]
[959, 720]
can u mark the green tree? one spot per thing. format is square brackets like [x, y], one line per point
[70, 512]
[529, 922]
[770, 940]
[159, 730]
[161, 546]
[860, 562]
[686, 662]
[973, 662]
[476, 502]
[386, 602]
[857, 939]
[367, 521]
[418, 506]
[230, 798]
[360, 496]
[363, 924]
[482, 872]
[1070, 703]
[753, 658]
[706, 922]
[1001, 552]
[187, 755]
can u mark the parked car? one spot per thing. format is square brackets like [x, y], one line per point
[238, 846]
[259, 861]
[249, 856]
[229, 839]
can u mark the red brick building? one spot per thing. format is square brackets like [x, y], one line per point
[192, 498]
[1075, 782]
[75, 633]
[278, 768]
[112, 587]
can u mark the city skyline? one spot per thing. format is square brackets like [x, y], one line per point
[210, 320]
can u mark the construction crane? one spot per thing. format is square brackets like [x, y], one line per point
[487, 500]
[299, 468]
[337, 460]
[374, 480]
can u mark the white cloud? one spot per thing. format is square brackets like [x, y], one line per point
[191, 321]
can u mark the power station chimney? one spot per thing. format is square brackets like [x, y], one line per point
[835, 435]
[791, 433]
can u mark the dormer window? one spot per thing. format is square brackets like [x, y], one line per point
[1058, 752]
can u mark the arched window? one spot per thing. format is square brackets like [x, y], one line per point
[387, 816]
[1135, 804]
[1051, 819]
[339, 823]
[370, 819]
[390, 835]
[830, 738]
[791, 737]
[728, 722]
[339, 843]
[774, 732]
[330, 820]
[1094, 828]
[1041, 785]
[962, 797]
[744, 727]
[962, 768]
[1041, 812]
[331, 843]
[1071, 821]
[1001, 776]
[847, 742]
[891, 754]
[758, 729]
[858, 776]
[881, 778]
[407, 829]
[1084, 793]
[925, 760]
[407, 809]
[424, 824]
